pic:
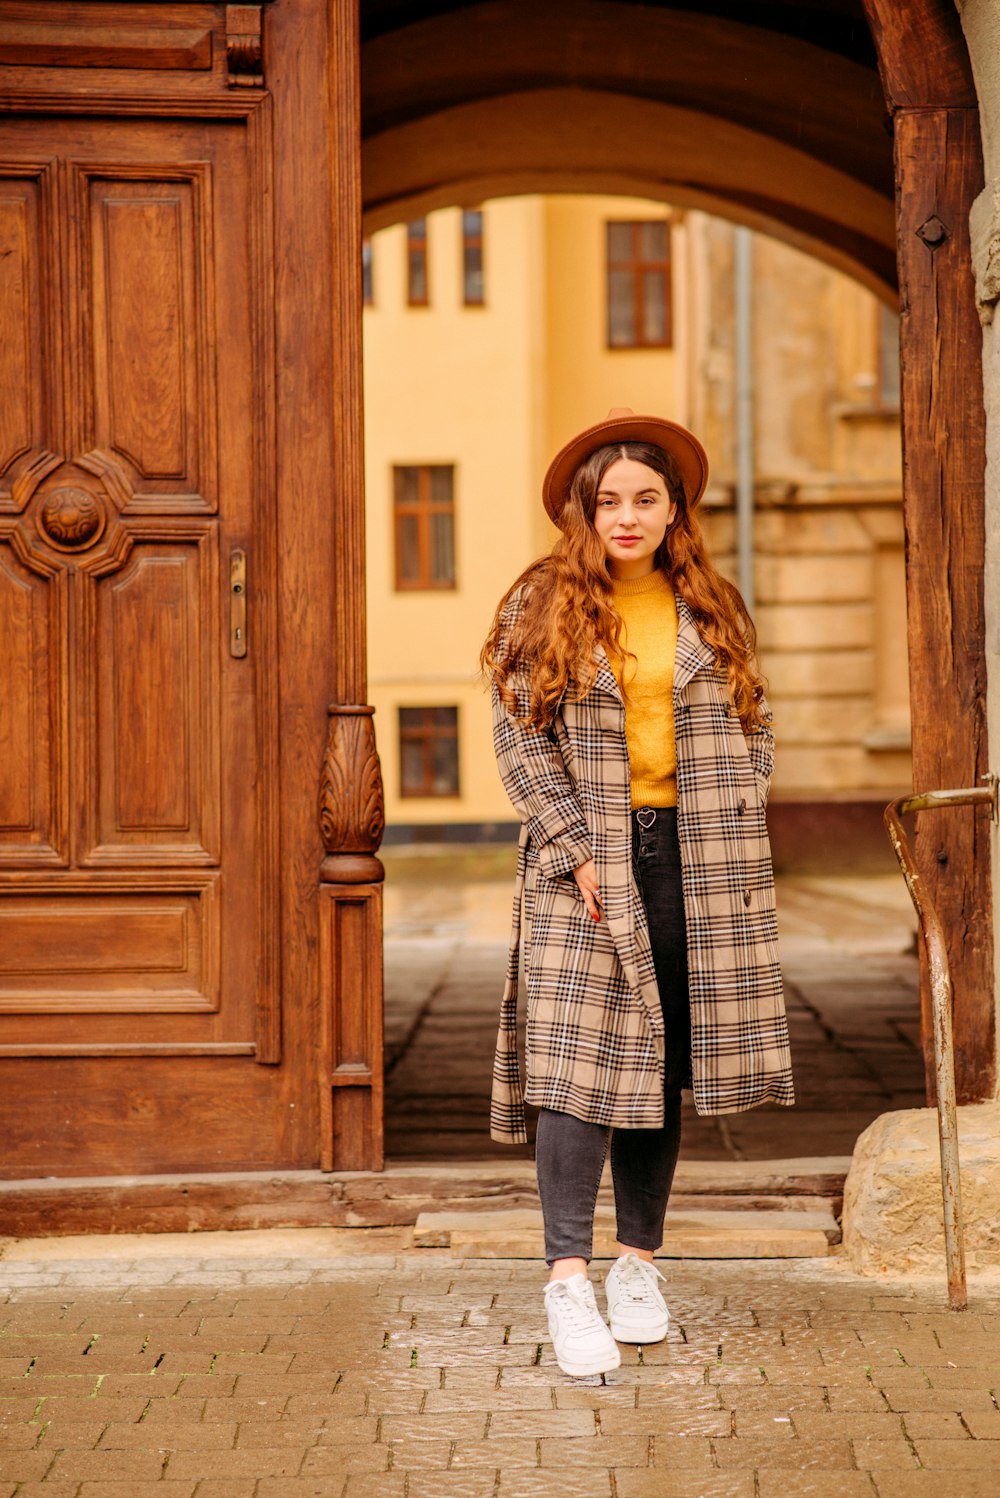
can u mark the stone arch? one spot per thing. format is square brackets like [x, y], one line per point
[782, 131]
[786, 126]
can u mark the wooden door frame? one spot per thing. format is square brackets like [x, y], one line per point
[933, 106]
[332, 815]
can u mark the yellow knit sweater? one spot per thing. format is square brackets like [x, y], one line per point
[649, 612]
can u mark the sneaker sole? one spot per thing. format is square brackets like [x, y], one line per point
[655, 1332]
[586, 1370]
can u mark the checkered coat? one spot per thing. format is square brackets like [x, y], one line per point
[595, 1035]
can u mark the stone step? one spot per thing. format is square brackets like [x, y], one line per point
[392, 1197]
[516, 1233]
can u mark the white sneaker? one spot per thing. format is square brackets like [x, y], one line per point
[636, 1309]
[580, 1337]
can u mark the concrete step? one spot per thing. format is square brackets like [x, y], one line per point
[516, 1233]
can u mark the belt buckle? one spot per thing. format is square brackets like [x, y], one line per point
[645, 812]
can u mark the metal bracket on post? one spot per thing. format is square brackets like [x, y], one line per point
[941, 1007]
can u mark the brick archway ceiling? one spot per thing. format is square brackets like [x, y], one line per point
[780, 124]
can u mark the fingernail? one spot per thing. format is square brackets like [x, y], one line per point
[596, 916]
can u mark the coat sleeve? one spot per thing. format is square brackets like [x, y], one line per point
[760, 747]
[539, 785]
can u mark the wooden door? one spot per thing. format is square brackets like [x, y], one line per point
[137, 738]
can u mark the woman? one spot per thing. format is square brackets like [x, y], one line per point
[634, 740]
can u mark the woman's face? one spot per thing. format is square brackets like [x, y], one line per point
[632, 515]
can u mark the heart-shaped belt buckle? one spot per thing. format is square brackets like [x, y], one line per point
[645, 816]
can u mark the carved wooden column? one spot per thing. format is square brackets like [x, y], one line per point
[352, 816]
[352, 821]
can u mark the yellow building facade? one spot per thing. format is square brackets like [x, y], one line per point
[491, 336]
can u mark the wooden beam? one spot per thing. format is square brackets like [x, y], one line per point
[939, 171]
[923, 59]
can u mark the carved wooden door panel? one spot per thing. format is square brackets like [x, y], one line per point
[136, 733]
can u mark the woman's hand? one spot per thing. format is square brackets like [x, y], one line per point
[586, 878]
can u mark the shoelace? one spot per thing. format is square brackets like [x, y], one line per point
[634, 1279]
[581, 1308]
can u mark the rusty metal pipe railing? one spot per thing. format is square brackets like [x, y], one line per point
[941, 1007]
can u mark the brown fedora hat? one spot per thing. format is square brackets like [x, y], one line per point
[623, 425]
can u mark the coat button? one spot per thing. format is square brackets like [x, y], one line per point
[742, 806]
[746, 897]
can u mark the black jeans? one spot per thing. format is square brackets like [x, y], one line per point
[570, 1154]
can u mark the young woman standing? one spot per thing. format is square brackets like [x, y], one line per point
[634, 741]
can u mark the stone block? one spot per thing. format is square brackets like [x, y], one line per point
[821, 720]
[819, 626]
[805, 531]
[812, 673]
[831, 578]
[517, 1233]
[893, 1213]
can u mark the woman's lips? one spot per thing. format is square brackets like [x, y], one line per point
[627, 540]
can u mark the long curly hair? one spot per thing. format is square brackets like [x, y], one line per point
[568, 605]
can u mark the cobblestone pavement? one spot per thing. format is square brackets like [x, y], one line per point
[851, 986]
[290, 1372]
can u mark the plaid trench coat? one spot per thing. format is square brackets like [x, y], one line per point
[595, 1035]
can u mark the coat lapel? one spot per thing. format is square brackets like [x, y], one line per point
[692, 652]
[605, 680]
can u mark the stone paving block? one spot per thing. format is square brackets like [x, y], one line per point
[258, 1462]
[359, 1485]
[862, 1398]
[655, 1419]
[551, 1485]
[53, 1489]
[908, 1399]
[828, 1455]
[70, 1435]
[984, 1425]
[26, 1466]
[17, 1437]
[402, 1455]
[595, 1452]
[513, 1451]
[555, 1423]
[468, 1425]
[900, 1484]
[441, 1400]
[814, 1485]
[682, 1451]
[781, 1399]
[173, 1435]
[682, 1482]
[65, 1407]
[364, 1456]
[166, 1488]
[813, 1424]
[109, 1466]
[959, 1456]
[943, 1425]
[870, 1452]
[986, 1375]
[451, 1484]
[214, 1487]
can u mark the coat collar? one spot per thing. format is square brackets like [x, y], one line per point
[692, 652]
[692, 655]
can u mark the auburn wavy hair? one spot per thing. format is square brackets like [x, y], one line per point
[568, 605]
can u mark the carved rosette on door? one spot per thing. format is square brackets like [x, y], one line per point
[71, 514]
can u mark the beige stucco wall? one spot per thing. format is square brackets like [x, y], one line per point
[449, 384]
